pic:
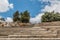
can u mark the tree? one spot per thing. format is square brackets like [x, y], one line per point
[51, 16]
[2, 19]
[25, 17]
[46, 17]
[16, 16]
[57, 17]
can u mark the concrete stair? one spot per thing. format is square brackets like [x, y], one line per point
[30, 39]
[34, 33]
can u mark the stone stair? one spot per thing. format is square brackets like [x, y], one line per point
[34, 33]
[30, 39]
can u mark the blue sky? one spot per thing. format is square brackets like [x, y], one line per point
[34, 7]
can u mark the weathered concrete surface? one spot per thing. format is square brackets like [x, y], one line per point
[33, 32]
[29, 38]
[37, 32]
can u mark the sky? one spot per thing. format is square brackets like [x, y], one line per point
[35, 7]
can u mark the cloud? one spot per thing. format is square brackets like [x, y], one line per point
[43, 0]
[9, 19]
[54, 6]
[5, 5]
[37, 19]
[11, 5]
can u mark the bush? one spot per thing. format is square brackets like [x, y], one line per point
[50, 16]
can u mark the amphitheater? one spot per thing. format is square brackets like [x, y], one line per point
[42, 31]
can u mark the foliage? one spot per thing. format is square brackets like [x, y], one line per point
[16, 16]
[50, 16]
[2, 19]
[25, 17]
[21, 17]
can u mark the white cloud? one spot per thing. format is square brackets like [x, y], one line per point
[54, 6]
[5, 5]
[43, 0]
[37, 19]
[9, 19]
[11, 5]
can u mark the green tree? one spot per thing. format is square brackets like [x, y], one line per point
[46, 17]
[16, 16]
[57, 17]
[2, 19]
[25, 17]
[51, 16]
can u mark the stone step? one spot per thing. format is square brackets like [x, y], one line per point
[29, 38]
[32, 36]
[3, 36]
